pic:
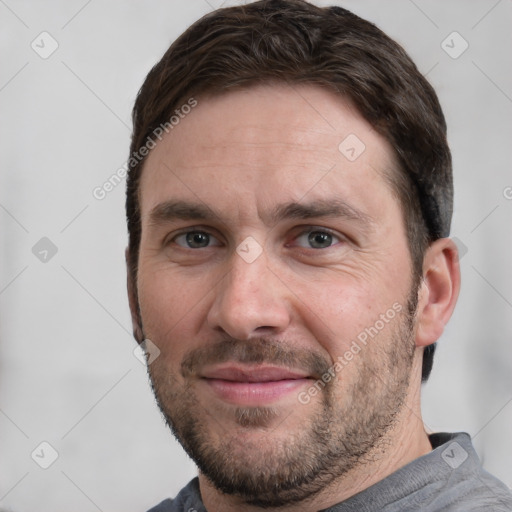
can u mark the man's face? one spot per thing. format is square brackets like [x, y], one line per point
[275, 278]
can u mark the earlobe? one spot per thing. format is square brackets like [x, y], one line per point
[133, 301]
[439, 291]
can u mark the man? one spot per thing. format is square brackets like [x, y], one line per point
[289, 272]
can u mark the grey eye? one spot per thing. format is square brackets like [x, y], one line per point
[196, 240]
[319, 239]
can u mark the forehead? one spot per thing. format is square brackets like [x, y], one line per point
[269, 140]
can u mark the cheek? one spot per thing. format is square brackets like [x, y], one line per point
[170, 314]
[337, 310]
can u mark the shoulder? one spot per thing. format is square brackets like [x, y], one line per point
[188, 500]
[480, 492]
[462, 483]
[164, 506]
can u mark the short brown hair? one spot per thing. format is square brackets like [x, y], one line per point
[295, 42]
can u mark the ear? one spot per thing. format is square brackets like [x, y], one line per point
[133, 300]
[438, 292]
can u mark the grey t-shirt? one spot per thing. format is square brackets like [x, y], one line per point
[450, 478]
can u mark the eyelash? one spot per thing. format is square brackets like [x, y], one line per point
[308, 230]
[314, 229]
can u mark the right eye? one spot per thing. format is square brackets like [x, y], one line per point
[195, 239]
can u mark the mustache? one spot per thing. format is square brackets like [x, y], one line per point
[255, 351]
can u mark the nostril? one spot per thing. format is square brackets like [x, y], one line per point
[265, 328]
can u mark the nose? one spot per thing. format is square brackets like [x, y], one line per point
[250, 300]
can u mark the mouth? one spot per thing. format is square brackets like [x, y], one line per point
[253, 385]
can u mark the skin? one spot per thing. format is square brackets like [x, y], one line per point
[241, 154]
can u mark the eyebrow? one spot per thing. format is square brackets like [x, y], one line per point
[320, 208]
[182, 210]
[172, 210]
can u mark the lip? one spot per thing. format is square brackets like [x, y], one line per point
[239, 373]
[253, 385]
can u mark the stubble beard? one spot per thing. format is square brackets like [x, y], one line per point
[251, 459]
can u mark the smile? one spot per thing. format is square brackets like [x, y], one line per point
[254, 386]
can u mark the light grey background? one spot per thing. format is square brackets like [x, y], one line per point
[68, 375]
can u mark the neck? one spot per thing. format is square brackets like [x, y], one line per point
[402, 444]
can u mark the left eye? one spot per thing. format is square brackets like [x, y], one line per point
[196, 240]
[317, 239]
